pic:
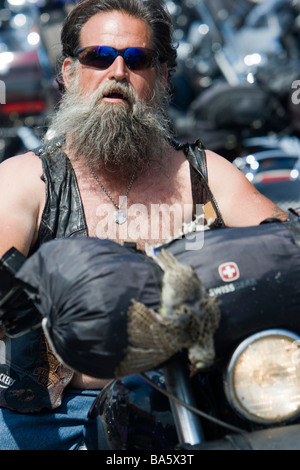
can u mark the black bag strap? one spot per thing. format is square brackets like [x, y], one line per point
[293, 223]
[195, 154]
[10, 263]
[18, 312]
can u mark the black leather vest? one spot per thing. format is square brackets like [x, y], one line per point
[63, 215]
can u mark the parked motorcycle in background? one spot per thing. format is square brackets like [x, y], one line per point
[239, 66]
[238, 87]
[29, 45]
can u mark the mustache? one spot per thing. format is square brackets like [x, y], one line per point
[114, 89]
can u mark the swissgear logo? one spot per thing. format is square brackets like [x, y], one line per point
[229, 271]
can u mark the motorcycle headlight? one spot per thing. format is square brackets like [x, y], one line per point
[262, 381]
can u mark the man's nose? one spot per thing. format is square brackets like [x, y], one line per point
[118, 69]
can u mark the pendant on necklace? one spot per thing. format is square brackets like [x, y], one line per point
[120, 217]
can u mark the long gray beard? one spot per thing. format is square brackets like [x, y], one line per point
[124, 136]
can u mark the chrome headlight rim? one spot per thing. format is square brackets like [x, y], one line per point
[228, 379]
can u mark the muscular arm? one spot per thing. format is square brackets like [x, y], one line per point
[22, 200]
[238, 200]
[22, 197]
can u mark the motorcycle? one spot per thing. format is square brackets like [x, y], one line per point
[245, 401]
[238, 69]
[236, 87]
[165, 410]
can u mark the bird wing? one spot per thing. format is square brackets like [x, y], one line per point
[152, 338]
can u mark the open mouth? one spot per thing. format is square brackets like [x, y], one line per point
[115, 96]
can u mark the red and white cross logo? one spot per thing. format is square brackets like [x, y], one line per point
[229, 271]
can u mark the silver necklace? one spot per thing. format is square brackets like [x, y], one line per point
[119, 215]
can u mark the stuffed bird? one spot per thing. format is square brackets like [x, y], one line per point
[187, 318]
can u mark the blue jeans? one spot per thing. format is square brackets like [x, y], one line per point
[59, 429]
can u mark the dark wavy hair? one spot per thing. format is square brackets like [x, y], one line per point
[150, 11]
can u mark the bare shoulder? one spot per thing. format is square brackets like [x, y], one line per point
[28, 163]
[22, 173]
[22, 195]
[224, 178]
[217, 163]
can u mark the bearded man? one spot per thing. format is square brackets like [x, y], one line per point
[113, 160]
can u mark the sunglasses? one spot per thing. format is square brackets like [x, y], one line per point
[102, 57]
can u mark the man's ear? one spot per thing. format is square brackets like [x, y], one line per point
[68, 72]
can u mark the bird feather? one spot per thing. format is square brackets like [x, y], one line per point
[188, 318]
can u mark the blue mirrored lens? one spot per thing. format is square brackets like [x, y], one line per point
[102, 57]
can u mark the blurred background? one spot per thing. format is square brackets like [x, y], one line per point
[237, 85]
